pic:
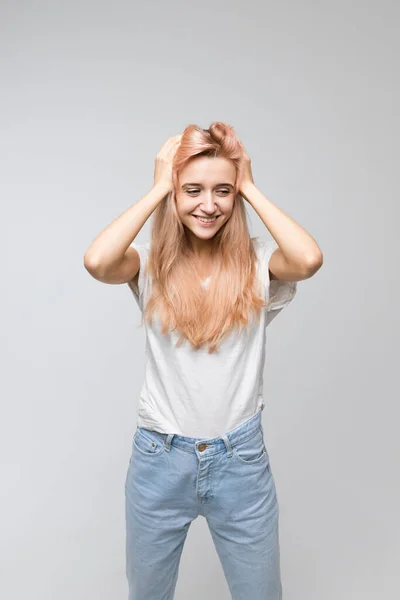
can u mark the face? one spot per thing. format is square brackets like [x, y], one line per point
[206, 189]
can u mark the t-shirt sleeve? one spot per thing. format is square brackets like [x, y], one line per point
[278, 292]
[139, 284]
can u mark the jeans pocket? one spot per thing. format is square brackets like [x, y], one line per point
[251, 450]
[147, 442]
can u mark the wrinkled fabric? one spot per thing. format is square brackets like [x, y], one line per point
[228, 480]
[193, 393]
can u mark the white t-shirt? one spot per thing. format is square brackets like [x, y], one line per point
[196, 394]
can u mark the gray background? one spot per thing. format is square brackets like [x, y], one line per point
[89, 93]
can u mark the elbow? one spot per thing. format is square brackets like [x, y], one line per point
[93, 266]
[313, 264]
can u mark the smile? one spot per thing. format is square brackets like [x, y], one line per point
[205, 220]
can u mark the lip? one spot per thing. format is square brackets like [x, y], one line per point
[202, 224]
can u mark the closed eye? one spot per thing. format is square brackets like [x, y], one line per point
[192, 192]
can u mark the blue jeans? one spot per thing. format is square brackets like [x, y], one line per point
[172, 479]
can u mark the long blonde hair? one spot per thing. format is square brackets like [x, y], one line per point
[233, 296]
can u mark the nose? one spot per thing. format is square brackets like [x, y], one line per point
[208, 204]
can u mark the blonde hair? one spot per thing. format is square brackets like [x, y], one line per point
[233, 296]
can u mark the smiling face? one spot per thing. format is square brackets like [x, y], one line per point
[206, 189]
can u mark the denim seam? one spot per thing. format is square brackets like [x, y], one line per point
[234, 445]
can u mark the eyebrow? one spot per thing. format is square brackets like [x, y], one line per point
[199, 185]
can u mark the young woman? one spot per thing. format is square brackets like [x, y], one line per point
[207, 292]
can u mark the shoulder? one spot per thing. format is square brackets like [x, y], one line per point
[142, 248]
[140, 284]
[264, 249]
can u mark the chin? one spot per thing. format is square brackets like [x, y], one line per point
[201, 234]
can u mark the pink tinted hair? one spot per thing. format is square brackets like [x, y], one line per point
[203, 316]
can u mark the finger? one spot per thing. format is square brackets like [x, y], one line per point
[168, 144]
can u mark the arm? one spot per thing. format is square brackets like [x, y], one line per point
[110, 258]
[298, 256]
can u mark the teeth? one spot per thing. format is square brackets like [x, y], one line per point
[206, 220]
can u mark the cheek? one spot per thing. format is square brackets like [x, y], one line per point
[228, 208]
[184, 212]
[180, 207]
[182, 204]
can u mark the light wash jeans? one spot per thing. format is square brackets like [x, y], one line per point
[172, 479]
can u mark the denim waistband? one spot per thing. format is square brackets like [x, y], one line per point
[214, 445]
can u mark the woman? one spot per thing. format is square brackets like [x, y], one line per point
[207, 292]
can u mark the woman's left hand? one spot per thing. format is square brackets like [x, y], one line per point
[247, 175]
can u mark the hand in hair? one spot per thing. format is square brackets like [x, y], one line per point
[246, 172]
[163, 162]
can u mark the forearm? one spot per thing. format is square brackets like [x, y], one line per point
[111, 244]
[297, 245]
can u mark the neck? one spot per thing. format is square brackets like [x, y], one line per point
[202, 250]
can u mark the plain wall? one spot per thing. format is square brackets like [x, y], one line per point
[89, 93]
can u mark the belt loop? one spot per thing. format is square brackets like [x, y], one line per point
[168, 440]
[227, 444]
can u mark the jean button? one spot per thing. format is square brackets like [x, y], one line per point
[202, 447]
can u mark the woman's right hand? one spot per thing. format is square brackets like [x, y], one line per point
[164, 160]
